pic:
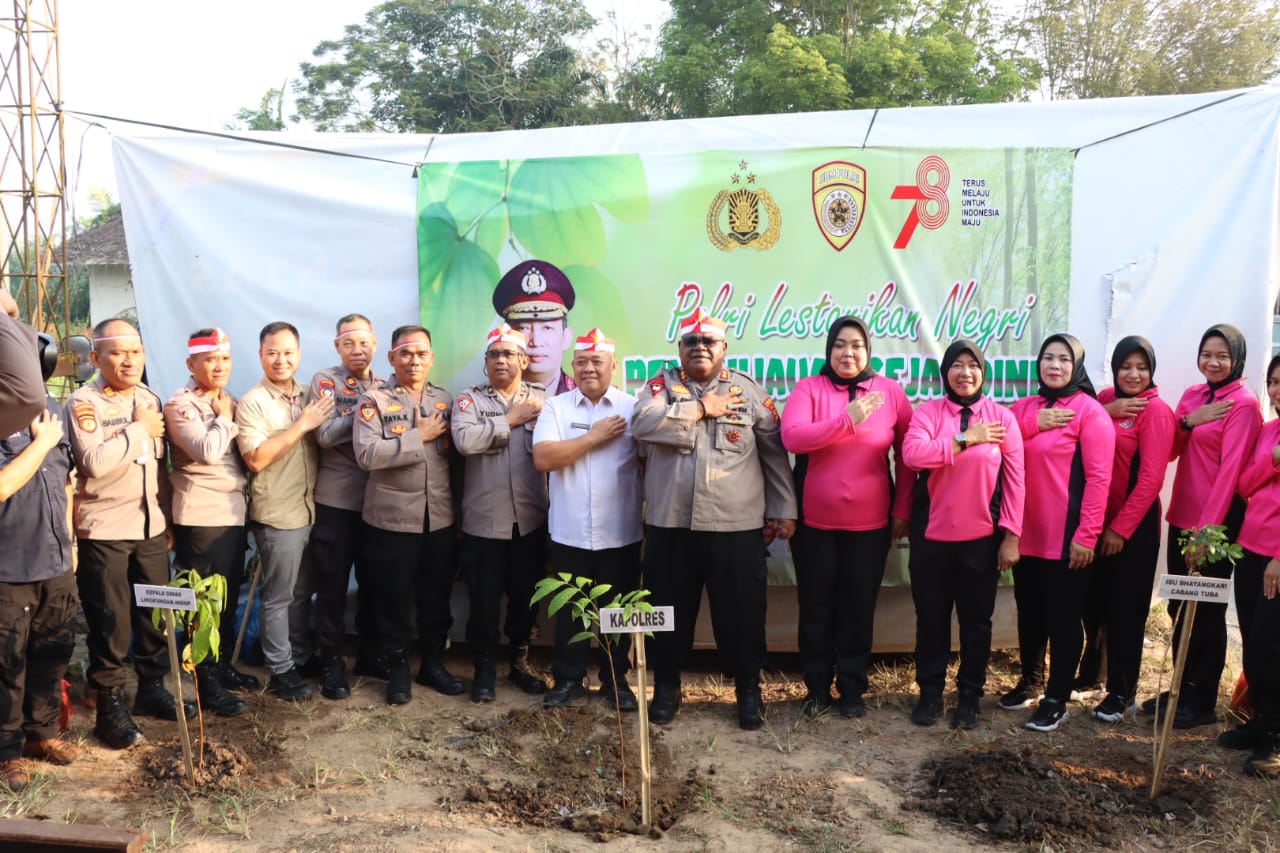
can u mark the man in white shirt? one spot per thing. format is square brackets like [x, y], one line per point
[583, 437]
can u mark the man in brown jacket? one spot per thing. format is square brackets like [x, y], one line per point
[504, 510]
[117, 440]
[209, 501]
[401, 437]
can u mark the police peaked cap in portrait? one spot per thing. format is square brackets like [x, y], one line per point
[594, 341]
[533, 290]
[700, 322]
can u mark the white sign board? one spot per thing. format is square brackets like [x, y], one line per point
[660, 619]
[1195, 588]
[167, 597]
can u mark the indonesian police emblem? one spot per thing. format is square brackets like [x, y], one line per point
[735, 216]
[839, 200]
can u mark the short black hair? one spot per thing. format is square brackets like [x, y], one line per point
[352, 318]
[201, 333]
[276, 327]
[401, 331]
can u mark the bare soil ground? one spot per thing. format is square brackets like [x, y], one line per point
[442, 774]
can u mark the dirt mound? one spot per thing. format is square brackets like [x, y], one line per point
[566, 771]
[221, 766]
[1087, 795]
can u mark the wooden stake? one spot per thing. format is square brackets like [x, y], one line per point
[1188, 618]
[642, 680]
[248, 607]
[176, 669]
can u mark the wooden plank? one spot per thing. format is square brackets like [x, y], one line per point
[43, 836]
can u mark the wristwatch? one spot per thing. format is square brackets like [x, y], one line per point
[962, 440]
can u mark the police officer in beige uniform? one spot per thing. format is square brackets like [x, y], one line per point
[504, 509]
[716, 471]
[117, 439]
[209, 484]
[401, 437]
[337, 537]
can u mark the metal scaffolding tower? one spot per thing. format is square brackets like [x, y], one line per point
[33, 173]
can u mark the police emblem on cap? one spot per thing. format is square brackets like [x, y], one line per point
[533, 282]
[533, 290]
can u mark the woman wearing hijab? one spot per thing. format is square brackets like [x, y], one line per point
[968, 451]
[1257, 583]
[1218, 423]
[1069, 445]
[841, 425]
[1130, 545]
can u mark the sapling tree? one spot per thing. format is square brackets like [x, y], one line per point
[199, 627]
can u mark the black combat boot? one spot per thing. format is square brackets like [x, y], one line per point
[433, 673]
[750, 704]
[114, 726]
[153, 700]
[399, 686]
[484, 686]
[521, 675]
[215, 697]
[333, 677]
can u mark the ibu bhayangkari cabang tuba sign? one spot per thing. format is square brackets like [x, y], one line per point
[923, 245]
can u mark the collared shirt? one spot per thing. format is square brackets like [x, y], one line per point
[340, 482]
[1212, 455]
[282, 495]
[124, 488]
[501, 488]
[595, 501]
[33, 521]
[208, 476]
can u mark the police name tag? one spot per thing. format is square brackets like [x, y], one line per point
[660, 619]
[166, 597]
[1195, 588]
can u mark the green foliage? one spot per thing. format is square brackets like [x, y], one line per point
[268, 115]
[1211, 542]
[200, 625]
[585, 598]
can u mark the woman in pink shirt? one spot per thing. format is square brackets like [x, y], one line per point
[1218, 424]
[1069, 445]
[1130, 545]
[968, 451]
[841, 425]
[1257, 582]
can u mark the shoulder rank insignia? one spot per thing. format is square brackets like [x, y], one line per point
[367, 411]
[351, 381]
[326, 387]
[724, 374]
[85, 416]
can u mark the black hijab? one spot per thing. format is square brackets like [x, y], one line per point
[851, 384]
[1079, 380]
[958, 347]
[1275, 362]
[1127, 347]
[1235, 345]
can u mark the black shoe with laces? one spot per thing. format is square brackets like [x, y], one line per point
[484, 684]
[233, 679]
[1114, 708]
[625, 700]
[927, 708]
[113, 725]
[333, 679]
[1049, 714]
[563, 693]
[372, 666]
[433, 673]
[1023, 695]
[153, 700]
[289, 685]
[965, 715]
[399, 685]
[216, 698]
[665, 704]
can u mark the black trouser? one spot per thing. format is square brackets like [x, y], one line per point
[1050, 600]
[1207, 647]
[1260, 631]
[838, 577]
[337, 541]
[108, 570]
[619, 567]
[216, 550]
[963, 576]
[36, 641]
[414, 573]
[496, 566]
[1121, 585]
[678, 563]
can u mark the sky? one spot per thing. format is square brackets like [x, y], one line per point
[195, 64]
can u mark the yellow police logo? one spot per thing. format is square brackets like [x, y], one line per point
[442, 406]
[735, 389]
[740, 209]
[679, 389]
[395, 407]
[839, 200]
[399, 429]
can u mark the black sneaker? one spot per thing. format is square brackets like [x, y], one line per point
[1114, 708]
[564, 693]
[1048, 715]
[926, 710]
[1023, 695]
[965, 716]
[289, 685]
[1246, 735]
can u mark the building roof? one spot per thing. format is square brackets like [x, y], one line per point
[102, 244]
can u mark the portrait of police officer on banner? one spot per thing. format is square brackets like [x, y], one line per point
[534, 298]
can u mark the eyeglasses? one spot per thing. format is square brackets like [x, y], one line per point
[691, 341]
[500, 354]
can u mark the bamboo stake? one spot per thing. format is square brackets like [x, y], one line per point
[176, 671]
[642, 680]
[248, 607]
[1187, 616]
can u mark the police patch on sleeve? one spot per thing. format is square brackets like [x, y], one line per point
[367, 411]
[464, 402]
[773, 409]
[85, 416]
[326, 388]
[657, 385]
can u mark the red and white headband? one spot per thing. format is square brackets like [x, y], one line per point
[217, 342]
[594, 341]
[700, 322]
[506, 334]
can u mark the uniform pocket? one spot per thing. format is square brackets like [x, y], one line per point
[734, 437]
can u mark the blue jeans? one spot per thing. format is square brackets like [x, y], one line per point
[286, 595]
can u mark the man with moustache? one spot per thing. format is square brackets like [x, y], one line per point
[535, 297]
[583, 438]
[276, 422]
[117, 439]
[337, 536]
[401, 437]
[716, 470]
[209, 501]
[504, 510]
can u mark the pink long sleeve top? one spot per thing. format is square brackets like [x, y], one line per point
[964, 488]
[1148, 438]
[1052, 498]
[847, 485]
[1211, 456]
[1260, 483]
